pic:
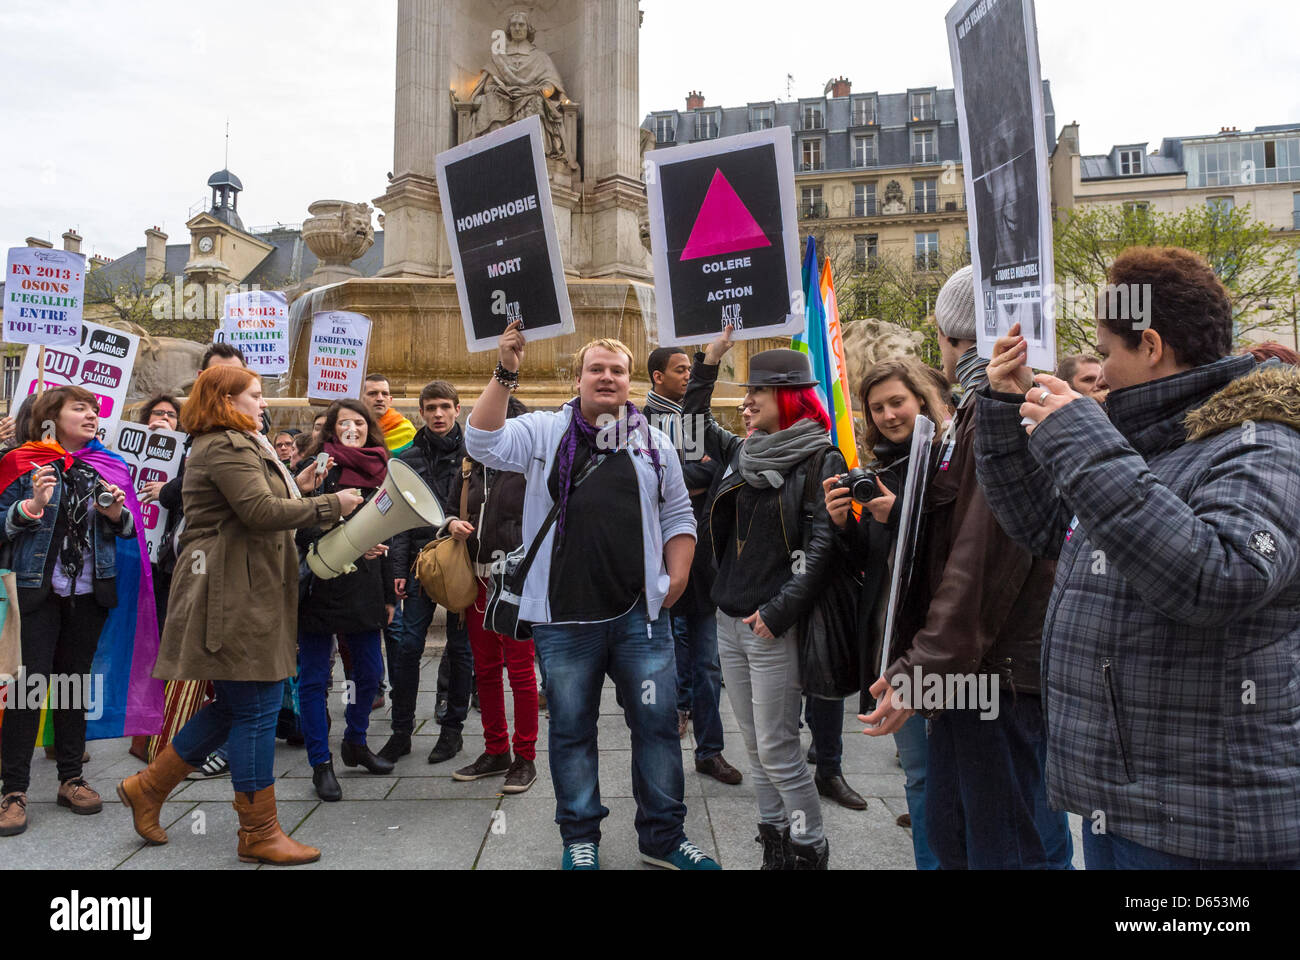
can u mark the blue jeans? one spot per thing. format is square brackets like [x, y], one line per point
[985, 788]
[826, 721]
[699, 679]
[243, 718]
[638, 655]
[407, 647]
[314, 687]
[913, 745]
[1109, 852]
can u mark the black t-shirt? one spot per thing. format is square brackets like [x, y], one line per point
[755, 561]
[598, 569]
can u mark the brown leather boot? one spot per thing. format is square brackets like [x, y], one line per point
[145, 792]
[260, 838]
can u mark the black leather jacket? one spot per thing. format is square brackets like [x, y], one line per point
[816, 537]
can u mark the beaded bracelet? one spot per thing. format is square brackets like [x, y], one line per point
[504, 377]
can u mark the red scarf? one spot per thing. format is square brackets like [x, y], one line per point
[364, 467]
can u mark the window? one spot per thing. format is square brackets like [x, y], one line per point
[864, 200]
[864, 111]
[864, 151]
[761, 118]
[1130, 163]
[1296, 211]
[1137, 207]
[866, 249]
[13, 367]
[706, 126]
[812, 155]
[814, 116]
[922, 106]
[926, 195]
[811, 206]
[923, 146]
[1220, 206]
[927, 251]
[665, 132]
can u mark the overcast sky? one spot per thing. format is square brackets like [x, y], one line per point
[114, 112]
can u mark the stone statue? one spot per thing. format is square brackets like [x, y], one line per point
[338, 233]
[520, 82]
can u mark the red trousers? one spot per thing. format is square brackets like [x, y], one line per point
[492, 652]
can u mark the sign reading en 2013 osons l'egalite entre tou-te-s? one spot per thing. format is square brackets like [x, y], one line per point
[44, 291]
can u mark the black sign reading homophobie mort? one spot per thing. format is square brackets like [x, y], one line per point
[496, 204]
[725, 238]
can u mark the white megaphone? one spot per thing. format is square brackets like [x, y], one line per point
[402, 503]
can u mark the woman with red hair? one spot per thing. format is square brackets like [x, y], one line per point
[233, 611]
[772, 542]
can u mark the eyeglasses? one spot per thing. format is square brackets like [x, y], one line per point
[169, 414]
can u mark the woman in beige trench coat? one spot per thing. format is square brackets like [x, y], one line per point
[232, 611]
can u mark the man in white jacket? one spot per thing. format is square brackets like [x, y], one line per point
[615, 559]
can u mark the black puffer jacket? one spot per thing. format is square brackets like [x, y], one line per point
[438, 461]
[354, 602]
[816, 537]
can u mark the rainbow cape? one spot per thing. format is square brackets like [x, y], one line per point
[399, 433]
[131, 701]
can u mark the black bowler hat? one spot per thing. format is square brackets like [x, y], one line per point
[780, 368]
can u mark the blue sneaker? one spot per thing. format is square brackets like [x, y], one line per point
[686, 857]
[581, 856]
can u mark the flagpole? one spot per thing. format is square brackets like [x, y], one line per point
[40, 371]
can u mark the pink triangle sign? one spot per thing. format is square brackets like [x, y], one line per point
[724, 225]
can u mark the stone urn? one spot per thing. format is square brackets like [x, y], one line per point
[338, 233]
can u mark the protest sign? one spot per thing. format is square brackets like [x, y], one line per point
[496, 205]
[336, 357]
[101, 362]
[725, 236]
[152, 456]
[257, 322]
[44, 293]
[994, 48]
[909, 528]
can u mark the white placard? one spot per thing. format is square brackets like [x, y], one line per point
[44, 294]
[1000, 110]
[151, 456]
[909, 527]
[101, 362]
[505, 250]
[336, 357]
[725, 234]
[257, 322]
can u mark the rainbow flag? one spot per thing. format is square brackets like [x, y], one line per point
[130, 701]
[823, 342]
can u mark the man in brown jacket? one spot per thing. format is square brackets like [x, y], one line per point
[967, 651]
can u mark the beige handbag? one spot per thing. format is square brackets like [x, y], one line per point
[11, 644]
[444, 568]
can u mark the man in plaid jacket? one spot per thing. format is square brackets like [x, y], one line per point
[1171, 646]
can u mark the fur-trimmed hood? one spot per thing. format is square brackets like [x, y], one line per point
[1271, 393]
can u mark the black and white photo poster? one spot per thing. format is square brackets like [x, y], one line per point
[994, 46]
[496, 205]
[725, 237]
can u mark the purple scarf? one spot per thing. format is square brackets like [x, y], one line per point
[364, 467]
[635, 424]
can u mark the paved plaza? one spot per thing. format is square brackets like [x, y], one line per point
[420, 818]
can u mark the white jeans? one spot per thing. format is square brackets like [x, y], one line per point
[766, 693]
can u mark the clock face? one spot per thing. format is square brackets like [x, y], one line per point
[205, 245]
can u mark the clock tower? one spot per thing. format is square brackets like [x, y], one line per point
[221, 251]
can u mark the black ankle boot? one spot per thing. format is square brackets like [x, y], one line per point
[359, 755]
[398, 745]
[777, 852]
[812, 856]
[449, 744]
[326, 784]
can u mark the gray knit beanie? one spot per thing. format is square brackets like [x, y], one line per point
[954, 310]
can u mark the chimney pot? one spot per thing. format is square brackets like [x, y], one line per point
[72, 241]
[694, 100]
